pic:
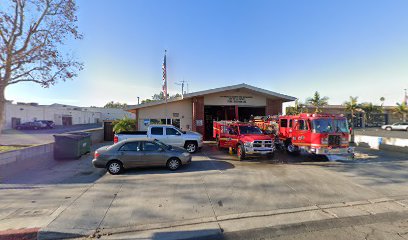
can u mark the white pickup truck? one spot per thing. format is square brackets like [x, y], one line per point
[168, 134]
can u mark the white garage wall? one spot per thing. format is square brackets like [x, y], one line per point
[28, 113]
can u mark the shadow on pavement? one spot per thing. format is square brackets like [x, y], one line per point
[213, 234]
[194, 166]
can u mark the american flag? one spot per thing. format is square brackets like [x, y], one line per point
[164, 87]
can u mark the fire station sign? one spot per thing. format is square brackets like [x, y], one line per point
[236, 99]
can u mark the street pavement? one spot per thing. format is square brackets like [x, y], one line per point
[216, 197]
[41, 136]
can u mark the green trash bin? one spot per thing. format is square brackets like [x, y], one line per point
[85, 142]
[67, 146]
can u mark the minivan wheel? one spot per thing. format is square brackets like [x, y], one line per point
[173, 164]
[191, 147]
[114, 167]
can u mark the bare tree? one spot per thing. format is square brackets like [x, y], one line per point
[32, 37]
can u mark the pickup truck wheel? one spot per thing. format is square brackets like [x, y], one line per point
[271, 156]
[241, 152]
[191, 147]
[173, 164]
[114, 167]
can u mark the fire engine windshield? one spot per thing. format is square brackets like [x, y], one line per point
[340, 125]
[330, 125]
[249, 130]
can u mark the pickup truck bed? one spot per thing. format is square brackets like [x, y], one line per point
[168, 134]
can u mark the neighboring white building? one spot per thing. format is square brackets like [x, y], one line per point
[59, 113]
[111, 113]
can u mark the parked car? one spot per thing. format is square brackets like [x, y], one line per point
[141, 152]
[396, 126]
[47, 123]
[29, 125]
[168, 134]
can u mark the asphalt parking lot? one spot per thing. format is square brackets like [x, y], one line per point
[41, 136]
[216, 194]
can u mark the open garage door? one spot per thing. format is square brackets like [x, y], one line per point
[218, 113]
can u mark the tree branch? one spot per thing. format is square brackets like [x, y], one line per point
[33, 29]
[25, 73]
[25, 80]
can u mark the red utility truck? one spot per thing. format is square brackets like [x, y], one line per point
[319, 134]
[244, 138]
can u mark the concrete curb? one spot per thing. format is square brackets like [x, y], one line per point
[19, 234]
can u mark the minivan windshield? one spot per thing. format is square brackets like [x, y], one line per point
[330, 125]
[249, 130]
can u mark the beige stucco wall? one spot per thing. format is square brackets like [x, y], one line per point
[183, 108]
[240, 98]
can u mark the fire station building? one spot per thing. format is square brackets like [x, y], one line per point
[197, 111]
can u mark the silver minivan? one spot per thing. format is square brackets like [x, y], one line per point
[132, 153]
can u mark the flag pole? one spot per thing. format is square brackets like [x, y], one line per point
[165, 83]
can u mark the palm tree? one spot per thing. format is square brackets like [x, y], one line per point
[352, 106]
[401, 109]
[382, 99]
[295, 110]
[317, 101]
[369, 109]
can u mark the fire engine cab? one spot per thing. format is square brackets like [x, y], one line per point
[244, 138]
[315, 133]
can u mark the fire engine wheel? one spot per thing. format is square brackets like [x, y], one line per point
[241, 152]
[292, 149]
[218, 143]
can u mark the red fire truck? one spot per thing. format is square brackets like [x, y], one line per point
[244, 138]
[315, 133]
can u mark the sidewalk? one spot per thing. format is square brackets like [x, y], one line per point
[215, 227]
[33, 198]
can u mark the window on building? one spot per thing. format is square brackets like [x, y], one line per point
[284, 123]
[163, 121]
[157, 131]
[155, 121]
[176, 122]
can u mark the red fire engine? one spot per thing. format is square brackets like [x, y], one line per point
[315, 133]
[245, 138]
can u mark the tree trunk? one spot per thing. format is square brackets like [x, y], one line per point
[352, 127]
[2, 106]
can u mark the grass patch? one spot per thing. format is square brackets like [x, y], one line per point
[6, 148]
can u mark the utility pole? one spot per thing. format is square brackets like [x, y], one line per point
[181, 83]
[406, 97]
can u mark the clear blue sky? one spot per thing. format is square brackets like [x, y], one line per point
[339, 48]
